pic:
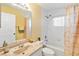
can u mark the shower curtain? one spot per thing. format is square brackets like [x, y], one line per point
[76, 38]
[70, 30]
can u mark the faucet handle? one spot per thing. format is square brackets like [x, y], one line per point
[5, 44]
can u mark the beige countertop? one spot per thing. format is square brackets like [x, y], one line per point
[25, 49]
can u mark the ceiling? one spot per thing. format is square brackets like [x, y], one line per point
[50, 6]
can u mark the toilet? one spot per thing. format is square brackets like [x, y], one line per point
[48, 51]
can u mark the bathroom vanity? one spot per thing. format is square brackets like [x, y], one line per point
[21, 48]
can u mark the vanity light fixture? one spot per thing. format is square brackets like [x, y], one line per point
[24, 6]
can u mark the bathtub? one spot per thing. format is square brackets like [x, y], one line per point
[58, 51]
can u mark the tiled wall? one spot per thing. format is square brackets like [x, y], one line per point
[55, 35]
